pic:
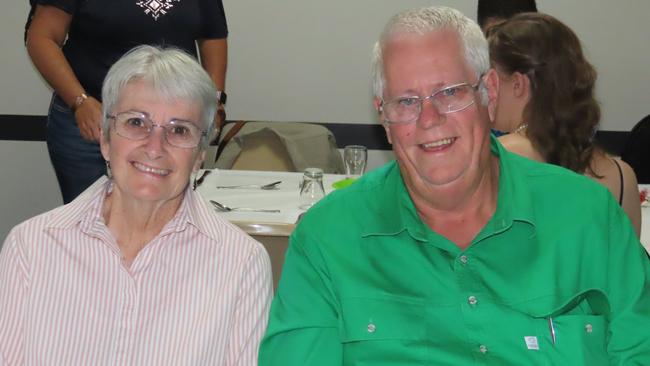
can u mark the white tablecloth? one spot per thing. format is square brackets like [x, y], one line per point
[285, 198]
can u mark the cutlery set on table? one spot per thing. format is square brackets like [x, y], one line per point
[225, 208]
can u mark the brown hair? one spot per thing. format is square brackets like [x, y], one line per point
[562, 113]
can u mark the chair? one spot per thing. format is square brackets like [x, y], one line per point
[279, 146]
[637, 150]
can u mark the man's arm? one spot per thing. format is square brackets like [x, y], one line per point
[252, 309]
[13, 294]
[629, 272]
[303, 325]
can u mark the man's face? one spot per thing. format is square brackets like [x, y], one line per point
[437, 149]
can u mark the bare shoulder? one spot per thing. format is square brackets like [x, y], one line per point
[520, 145]
[608, 175]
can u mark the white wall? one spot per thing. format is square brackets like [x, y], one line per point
[303, 60]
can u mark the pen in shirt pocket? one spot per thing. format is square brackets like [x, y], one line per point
[551, 328]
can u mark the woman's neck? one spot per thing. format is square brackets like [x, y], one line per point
[135, 223]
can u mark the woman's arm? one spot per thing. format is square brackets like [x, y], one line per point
[45, 37]
[214, 58]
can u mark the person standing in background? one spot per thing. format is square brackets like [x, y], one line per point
[73, 43]
[490, 12]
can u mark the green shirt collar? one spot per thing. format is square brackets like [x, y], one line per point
[514, 202]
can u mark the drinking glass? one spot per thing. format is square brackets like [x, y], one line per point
[311, 187]
[355, 158]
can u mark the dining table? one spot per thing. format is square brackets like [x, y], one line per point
[242, 189]
[272, 229]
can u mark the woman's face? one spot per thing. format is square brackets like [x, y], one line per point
[151, 169]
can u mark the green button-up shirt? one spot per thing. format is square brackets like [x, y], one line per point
[556, 277]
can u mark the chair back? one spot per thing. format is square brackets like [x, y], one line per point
[637, 150]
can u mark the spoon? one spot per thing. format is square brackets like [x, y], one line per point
[265, 187]
[224, 208]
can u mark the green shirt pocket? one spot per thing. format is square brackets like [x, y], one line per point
[579, 340]
[380, 331]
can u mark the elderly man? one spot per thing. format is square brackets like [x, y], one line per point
[459, 253]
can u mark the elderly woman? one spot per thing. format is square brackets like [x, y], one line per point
[138, 270]
[546, 101]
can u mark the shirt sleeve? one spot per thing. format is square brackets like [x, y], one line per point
[69, 6]
[629, 272]
[252, 308]
[13, 295]
[213, 20]
[303, 324]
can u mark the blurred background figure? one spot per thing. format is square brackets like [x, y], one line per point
[138, 269]
[73, 43]
[546, 103]
[493, 11]
[637, 150]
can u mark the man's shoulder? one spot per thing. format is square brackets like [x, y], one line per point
[364, 191]
[346, 211]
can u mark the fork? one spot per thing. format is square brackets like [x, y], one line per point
[223, 208]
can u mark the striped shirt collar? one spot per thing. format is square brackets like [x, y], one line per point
[86, 211]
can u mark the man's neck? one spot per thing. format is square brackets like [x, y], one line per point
[459, 211]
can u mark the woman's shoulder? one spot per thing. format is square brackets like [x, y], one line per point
[520, 145]
[620, 180]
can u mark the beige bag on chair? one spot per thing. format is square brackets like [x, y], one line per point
[280, 146]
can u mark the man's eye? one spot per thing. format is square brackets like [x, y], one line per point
[407, 102]
[450, 92]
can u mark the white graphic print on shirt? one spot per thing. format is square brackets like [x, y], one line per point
[156, 8]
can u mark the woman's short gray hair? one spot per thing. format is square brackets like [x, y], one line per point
[430, 19]
[171, 72]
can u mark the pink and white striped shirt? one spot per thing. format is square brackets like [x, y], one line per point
[197, 294]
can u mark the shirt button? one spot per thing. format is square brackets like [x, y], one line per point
[589, 328]
[472, 300]
[463, 259]
[482, 348]
[371, 328]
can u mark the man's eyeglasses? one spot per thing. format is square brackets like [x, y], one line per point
[138, 126]
[447, 100]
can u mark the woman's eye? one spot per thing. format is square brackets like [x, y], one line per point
[135, 122]
[180, 130]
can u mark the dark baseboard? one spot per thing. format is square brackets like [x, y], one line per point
[32, 128]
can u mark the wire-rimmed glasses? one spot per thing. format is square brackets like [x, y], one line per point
[135, 125]
[450, 99]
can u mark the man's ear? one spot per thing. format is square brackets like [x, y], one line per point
[377, 103]
[491, 82]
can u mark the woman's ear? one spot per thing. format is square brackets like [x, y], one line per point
[520, 84]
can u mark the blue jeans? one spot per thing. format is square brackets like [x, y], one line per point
[78, 163]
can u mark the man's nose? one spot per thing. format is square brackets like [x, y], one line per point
[429, 114]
